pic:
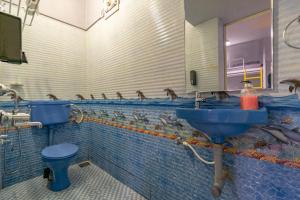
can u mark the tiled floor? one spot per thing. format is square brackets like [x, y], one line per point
[88, 183]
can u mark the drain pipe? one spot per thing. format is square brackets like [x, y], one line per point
[220, 175]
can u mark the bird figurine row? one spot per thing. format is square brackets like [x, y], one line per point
[170, 93]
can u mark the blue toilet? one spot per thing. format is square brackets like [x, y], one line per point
[57, 157]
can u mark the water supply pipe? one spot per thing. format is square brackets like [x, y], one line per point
[220, 175]
[197, 155]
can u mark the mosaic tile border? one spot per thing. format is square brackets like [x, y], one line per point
[251, 153]
[193, 141]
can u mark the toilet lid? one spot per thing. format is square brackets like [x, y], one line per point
[60, 151]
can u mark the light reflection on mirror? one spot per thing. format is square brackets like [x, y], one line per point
[226, 42]
[249, 51]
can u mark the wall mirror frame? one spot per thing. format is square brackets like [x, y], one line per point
[225, 45]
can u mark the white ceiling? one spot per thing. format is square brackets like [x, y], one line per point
[80, 13]
[70, 11]
[198, 11]
[252, 28]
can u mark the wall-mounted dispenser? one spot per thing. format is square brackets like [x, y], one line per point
[193, 77]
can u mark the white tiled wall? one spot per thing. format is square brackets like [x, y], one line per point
[202, 55]
[141, 47]
[57, 64]
[117, 62]
[286, 59]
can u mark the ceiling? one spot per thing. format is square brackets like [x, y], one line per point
[198, 11]
[252, 28]
[79, 13]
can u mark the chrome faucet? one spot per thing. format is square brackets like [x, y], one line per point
[4, 90]
[16, 119]
[103, 114]
[119, 115]
[138, 117]
[202, 96]
[89, 113]
[167, 120]
[4, 139]
[92, 112]
[199, 99]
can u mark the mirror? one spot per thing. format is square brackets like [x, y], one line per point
[227, 42]
[10, 39]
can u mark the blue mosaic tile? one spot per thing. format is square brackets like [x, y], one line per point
[156, 167]
[171, 172]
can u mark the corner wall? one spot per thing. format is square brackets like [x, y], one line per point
[207, 61]
[141, 47]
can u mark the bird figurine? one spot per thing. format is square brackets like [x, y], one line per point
[80, 97]
[15, 97]
[104, 96]
[52, 97]
[141, 95]
[119, 95]
[294, 84]
[171, 93]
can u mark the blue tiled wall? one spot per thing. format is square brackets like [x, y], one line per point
[160, 169]
[155, 167]
[20, 166]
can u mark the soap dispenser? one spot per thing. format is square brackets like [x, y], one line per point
[248, 99]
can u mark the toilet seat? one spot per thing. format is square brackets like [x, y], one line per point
[59, 151]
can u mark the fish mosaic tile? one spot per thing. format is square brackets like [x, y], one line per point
[114, 130]
[278, 141]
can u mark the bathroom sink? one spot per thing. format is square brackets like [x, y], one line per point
[222, 123]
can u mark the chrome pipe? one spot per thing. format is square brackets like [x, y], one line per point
[285, 33]
[19, 6]
[31, 124]
[10, 2]
[25, 17]
[34, 13]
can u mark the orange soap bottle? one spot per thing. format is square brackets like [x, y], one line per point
[248, 99]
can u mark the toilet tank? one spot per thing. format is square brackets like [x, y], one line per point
[50, 112]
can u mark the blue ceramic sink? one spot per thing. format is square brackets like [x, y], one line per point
[222, 123]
